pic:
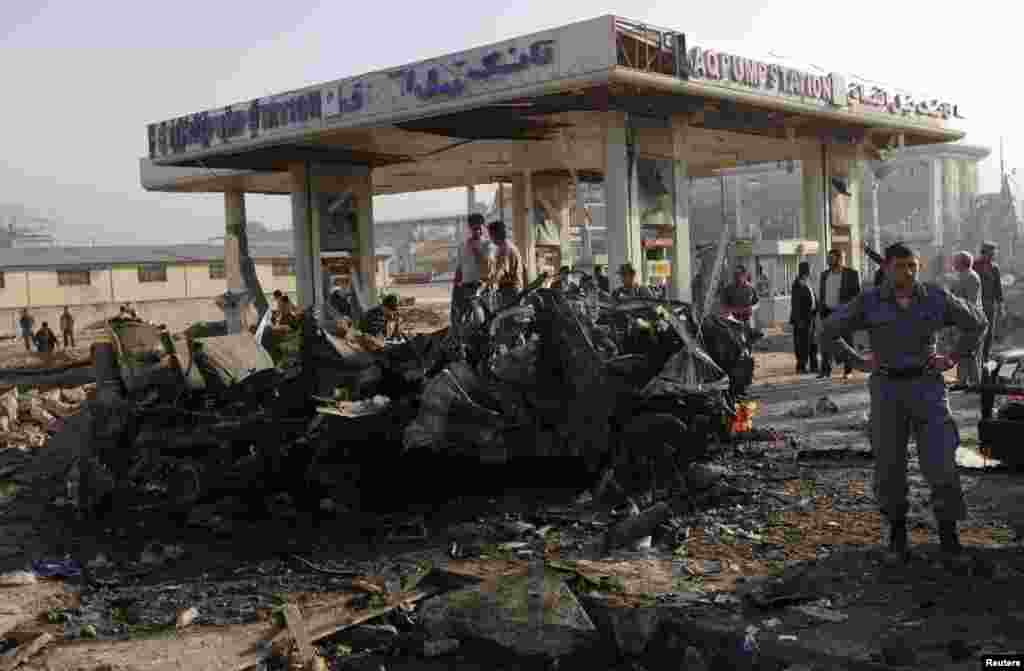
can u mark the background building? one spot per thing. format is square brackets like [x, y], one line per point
[174, 285]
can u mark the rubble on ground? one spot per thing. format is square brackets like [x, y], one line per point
[708, 502]
[28, 417]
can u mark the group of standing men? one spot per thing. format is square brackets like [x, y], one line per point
[45, 340]
[837, 286]
[497, 263]
[978, 283]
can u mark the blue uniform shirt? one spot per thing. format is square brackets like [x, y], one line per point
[904, 337]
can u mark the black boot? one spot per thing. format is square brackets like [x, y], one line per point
[949, 538]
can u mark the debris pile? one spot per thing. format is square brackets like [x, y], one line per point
[28, 417]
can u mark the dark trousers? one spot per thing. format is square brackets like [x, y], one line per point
[69, 339]
[827, 358]
[460, 299]
[986, 348]
[803, 339]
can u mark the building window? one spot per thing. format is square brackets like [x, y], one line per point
[217, 271]
[283, 268]
[73, 278]
[2, 281]
[153, 272]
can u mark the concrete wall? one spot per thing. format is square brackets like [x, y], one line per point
[177, 314]
[41, 288]
[199, 284]
[186, 297]
[127, 286]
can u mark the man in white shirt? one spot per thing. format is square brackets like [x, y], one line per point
[474, 267]
[838, 286]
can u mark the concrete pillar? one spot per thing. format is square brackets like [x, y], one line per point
[871, 227]
[565, 215]
[518, 215]
[234, 216]
[813, 215]
[681, 288]
[583, 226]
[529, 248]
[302, 232]
[951, 208]
[470, 208]
[623, 238]
[366, 246]
[736, 184]
[854, 184]
[933, 214]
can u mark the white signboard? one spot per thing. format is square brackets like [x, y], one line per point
[452, 82]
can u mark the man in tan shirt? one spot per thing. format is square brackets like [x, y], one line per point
[508, 264]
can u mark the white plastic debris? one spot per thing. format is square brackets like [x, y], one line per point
[186, 617]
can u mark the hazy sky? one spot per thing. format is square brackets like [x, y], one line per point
[82, 79]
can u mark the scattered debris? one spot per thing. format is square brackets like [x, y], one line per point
[437, 648]
[499, 610]
[18, 656]
[637, 527]
[298, 630]
[826, 406]
[819, 613]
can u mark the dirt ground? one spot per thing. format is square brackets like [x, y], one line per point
[797, 507]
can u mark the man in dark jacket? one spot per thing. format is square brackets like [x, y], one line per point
[46, 339]
[739, 297]
[838, 286]
[991, 293]
[801, 318]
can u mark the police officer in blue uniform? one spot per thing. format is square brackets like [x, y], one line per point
[902, 318]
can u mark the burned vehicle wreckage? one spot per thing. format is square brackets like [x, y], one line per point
[551, 375]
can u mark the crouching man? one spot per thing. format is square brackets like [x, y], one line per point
[902, 318]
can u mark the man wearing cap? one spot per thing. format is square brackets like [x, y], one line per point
[474, 266]
[602, 280]
[629, 289]
[739, 297]
[563, 283]
[902, 318]
[838, 286]
[991, 293]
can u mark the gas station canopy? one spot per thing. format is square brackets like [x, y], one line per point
[604, 100]
[537, 103]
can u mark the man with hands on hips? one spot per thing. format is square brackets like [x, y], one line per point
[902, 318]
